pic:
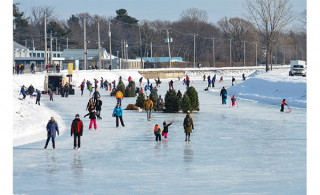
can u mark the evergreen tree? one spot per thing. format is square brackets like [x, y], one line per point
[127, 92]
[140, 100]
[22, 26]
[132, 84]
[123, 16]
[186, 104]
[120, 87]
[172, 102]
[154, 97]
[194, 100]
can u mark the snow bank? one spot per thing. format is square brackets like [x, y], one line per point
[272, 87]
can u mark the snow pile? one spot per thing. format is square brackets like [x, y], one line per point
[272, 87]
[30, 120]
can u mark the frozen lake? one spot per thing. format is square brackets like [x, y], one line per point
[250, 149]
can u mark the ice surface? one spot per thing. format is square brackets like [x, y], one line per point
[251, 149]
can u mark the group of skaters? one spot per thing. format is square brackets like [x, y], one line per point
[24, 91]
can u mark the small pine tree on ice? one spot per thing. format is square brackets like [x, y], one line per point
[127, 92]
[185, 103]
[120, 87]
[193, 95]
[154, 97]
[172, 101]
[140, 100]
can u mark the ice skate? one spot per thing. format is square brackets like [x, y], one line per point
[45, 147]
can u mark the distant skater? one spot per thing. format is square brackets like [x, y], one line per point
[188, 126]
[282, 105]
[52, 129]
[76, 130]
[157, 132]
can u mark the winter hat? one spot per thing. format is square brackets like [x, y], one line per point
[233, 96]
[77, 115]
[284, 99]
[52, 118]
[188, 112]
[164, 122]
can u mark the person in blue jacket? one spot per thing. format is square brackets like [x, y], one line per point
[117, 112]
[223, 94]
[23, 92]
[52, 128]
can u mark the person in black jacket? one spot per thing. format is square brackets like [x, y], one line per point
[233, 80]
[30, 91]
[97, 106]
[101, 83]
[92, 118]
[165, 129]
[95, 96]
[32, 68]
[66, 89]
[77, 130]
[82, 88]
[38, 97]
[62, 90]
[223, 94]
[179, 94]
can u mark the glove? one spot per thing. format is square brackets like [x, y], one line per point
[171, 122]
[84, 116]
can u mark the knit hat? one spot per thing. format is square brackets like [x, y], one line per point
[52, 118]
[77, 115]
[188, 112]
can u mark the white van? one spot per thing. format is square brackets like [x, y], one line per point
[298, 67]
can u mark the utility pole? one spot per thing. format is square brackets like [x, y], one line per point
[284, 56]
[110, 44]
[151, 51]
[121, 53]
[56, 45]
[32, 44]
[140, 46]
[256, 54]
[194, 50]
[290, 52]
[230, 52]
[244, 56]
[85, 43]
[45, 38]
[51, 48]
[213, 57]
[67, 43]
[25, 45]
[296, 52]
[99, 45]
[169, 47]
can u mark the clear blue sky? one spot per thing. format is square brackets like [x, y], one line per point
[147, 9]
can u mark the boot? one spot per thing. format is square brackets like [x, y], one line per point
[186, 139]
[54, 147]
[45, 147]
[74, 148]
[189, 139]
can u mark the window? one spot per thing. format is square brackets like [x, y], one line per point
[30, 54]
[54, 55]
[34, 55]
[38, 55]
[58, 55]
[297, 66]
[42, 55]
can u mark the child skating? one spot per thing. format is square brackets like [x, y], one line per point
[233, 101]
[93, 119]
[282, 106]
[165, 129]
[157, 132]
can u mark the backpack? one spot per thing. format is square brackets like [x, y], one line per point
[187, 122]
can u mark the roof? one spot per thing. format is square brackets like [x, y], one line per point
[18, 46]
[161, 59]
[78, 54]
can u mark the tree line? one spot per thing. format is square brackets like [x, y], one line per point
[275, 43]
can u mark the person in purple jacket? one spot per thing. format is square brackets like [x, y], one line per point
[52, 128]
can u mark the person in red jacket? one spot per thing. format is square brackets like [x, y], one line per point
[282, 105]
[77, 130]
[129, 79]
[47, 67]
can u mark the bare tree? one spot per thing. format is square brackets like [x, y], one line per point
[269, 17]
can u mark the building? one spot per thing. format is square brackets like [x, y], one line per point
[160, 59]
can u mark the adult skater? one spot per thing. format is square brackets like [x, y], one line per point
[179, 94]
[77, 130]
[32, 68]
[101, 83]
[282, 105]
[129, 79]
[188, 126]
[93, 119]
[30, 91]
[95, 95]
[233, 80]
[209, 81]
[140, 81]
[90, 89]
[66, 89]
[243, 77]
[50, 93]
[188, 81]
[90, 105]
[148, 82]
[23, 92]
[62, 90]
[119, 96]
[106, 85]
[204, 78]
[148, 105]
[98, 105]
[52, 129]
[223, 94]
[82, 88]
[38, 97]
[117, 112]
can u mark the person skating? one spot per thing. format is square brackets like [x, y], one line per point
[106, 85]
[148, 82]
[188, 81]
[165, 129]
[221, 79]
[114, 84]
[117, 112]
[209, 81]
[233, 101]
[97, 106]
[95, 95]
[204, 78]
[101, 83]
[90, 105]
[90, 89]
[129, 79]
[62, 90]
[282, 105]
[30, 91]
[77, 131]
[52, 129]
[188, 126]
[82, 88]
[179, 94]
[32, 68]
[243, 77]
[50, 95]
[223, 94]
[23, 92]
[66, 89]
[38, 97]
[171, 84]
[93, 119]
[148, 105]
[157, 132]
[140, 81]
[233, 80]
[119, 96]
